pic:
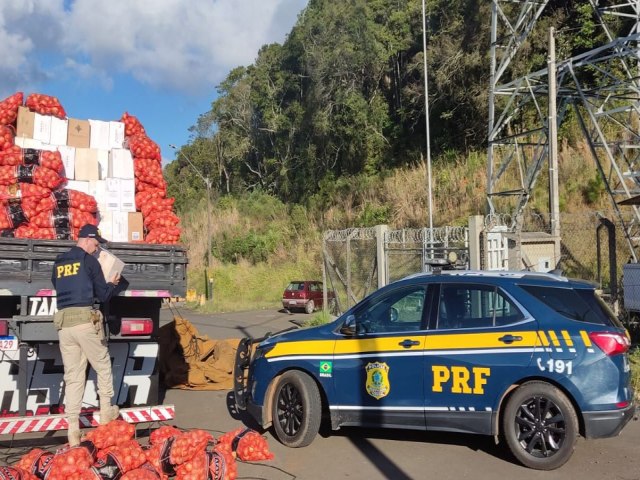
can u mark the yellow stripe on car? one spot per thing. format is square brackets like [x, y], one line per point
[304, 347]
[467, 341]
[543, 338]
[567, 338]
[460, 341]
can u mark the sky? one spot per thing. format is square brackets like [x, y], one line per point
[159, 60]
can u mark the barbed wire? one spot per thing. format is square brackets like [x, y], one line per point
[350, 234]
[439, 235]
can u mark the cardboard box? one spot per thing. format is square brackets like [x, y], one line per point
[24, 125]
[78, 133]
[99, 134]
[103, 163]
[116, 134]
[120, 227]
[121, 163]
[98, 190]
[80, 186]
[112, 192]
[136, 226]
[110, 264]
[25, 142]
[68, 155]
[106, 224]
[48, 147]
[59, 131]
[127, 195]
[42, 128]
[86, 165]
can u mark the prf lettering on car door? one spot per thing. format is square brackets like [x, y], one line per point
[459, 379]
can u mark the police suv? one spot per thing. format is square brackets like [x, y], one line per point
[536, 359]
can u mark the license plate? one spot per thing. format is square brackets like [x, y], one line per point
[8, 344]
[292, 302]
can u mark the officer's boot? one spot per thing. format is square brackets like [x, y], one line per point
[73, 434]
[108, 412]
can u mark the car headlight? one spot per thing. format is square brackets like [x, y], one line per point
[261, 351]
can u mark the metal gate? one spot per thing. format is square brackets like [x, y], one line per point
[358, 261]
[350, 264]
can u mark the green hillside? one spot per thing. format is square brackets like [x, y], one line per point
[327, 131]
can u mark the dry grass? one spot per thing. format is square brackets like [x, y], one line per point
[459, 185]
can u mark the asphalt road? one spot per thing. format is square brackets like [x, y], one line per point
[356, 454]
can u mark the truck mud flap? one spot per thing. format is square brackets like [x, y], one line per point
[240, 373]
[46, 423]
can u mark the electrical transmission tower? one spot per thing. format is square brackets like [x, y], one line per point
[601, 88]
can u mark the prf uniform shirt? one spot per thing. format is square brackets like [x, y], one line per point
[78, 280]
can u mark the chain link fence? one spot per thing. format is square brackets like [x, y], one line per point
[358, 260]
[413, 250]
[593, 246]
[350, 264]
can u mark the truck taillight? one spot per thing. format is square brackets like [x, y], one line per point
[4, 328]
[136, 326]
[611, 343]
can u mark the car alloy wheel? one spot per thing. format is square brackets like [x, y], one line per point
[540, 426]
[296, 409]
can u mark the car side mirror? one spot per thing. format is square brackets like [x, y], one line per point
[349, 326]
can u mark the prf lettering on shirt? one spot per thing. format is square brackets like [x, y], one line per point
[458, 379]
[67, 270]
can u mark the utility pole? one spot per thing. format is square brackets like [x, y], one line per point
[426, 119]
[554, 194]
[207, 182]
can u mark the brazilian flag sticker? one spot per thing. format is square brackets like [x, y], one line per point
[326, 369]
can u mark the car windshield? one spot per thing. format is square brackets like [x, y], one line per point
[579, 304]
[295, 286]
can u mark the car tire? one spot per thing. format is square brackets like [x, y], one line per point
[310, 306]
[540, 426]
[296, 409]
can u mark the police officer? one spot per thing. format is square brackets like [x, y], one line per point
[78, 280]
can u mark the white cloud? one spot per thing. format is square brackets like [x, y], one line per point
[175, 45]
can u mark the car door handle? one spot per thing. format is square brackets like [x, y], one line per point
[409, 343]
[510, 338]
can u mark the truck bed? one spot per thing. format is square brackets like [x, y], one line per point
[26, 265]
[31, 372]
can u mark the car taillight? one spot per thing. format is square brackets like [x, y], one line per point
[610, 343]
[4, 328]
[136, 326]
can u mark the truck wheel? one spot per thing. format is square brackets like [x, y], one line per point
[540, 426]
[310, 306]
[296, 409]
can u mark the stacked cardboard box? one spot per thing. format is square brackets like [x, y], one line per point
[95, 162]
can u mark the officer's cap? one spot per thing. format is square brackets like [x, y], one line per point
[91, 231]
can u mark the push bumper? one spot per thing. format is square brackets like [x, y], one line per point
[240, 373]
[607, 423]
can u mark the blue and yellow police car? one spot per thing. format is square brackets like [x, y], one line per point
[534, 359]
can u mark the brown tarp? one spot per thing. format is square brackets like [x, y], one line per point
[192, 361]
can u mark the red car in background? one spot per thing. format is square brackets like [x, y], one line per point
[306, 295]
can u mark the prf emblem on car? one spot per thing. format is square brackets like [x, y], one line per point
[378, 385]
[458, 379]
